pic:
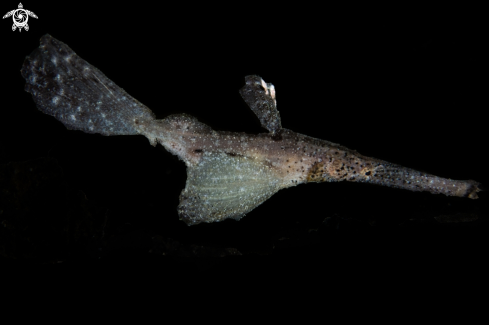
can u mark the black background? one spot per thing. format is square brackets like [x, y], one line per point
[406, 89]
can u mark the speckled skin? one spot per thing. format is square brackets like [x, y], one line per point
[298, 158]
[229, 174]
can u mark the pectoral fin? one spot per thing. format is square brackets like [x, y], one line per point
[225, 186]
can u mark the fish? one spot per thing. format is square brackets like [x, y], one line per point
[228, 173]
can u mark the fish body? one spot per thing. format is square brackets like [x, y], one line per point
[228, 173]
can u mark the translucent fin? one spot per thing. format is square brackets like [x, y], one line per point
[79, 95]
[260, 97]
[225, 186]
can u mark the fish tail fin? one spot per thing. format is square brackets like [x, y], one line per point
[79, 95]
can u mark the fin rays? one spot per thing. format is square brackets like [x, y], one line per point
[223, 186]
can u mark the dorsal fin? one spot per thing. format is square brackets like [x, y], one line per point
[260, 97]
[225, 186]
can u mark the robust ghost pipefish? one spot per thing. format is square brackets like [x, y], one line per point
[228, 174]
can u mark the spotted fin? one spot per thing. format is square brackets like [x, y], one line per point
[260, 97]
[225, 186]
[79, 95]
